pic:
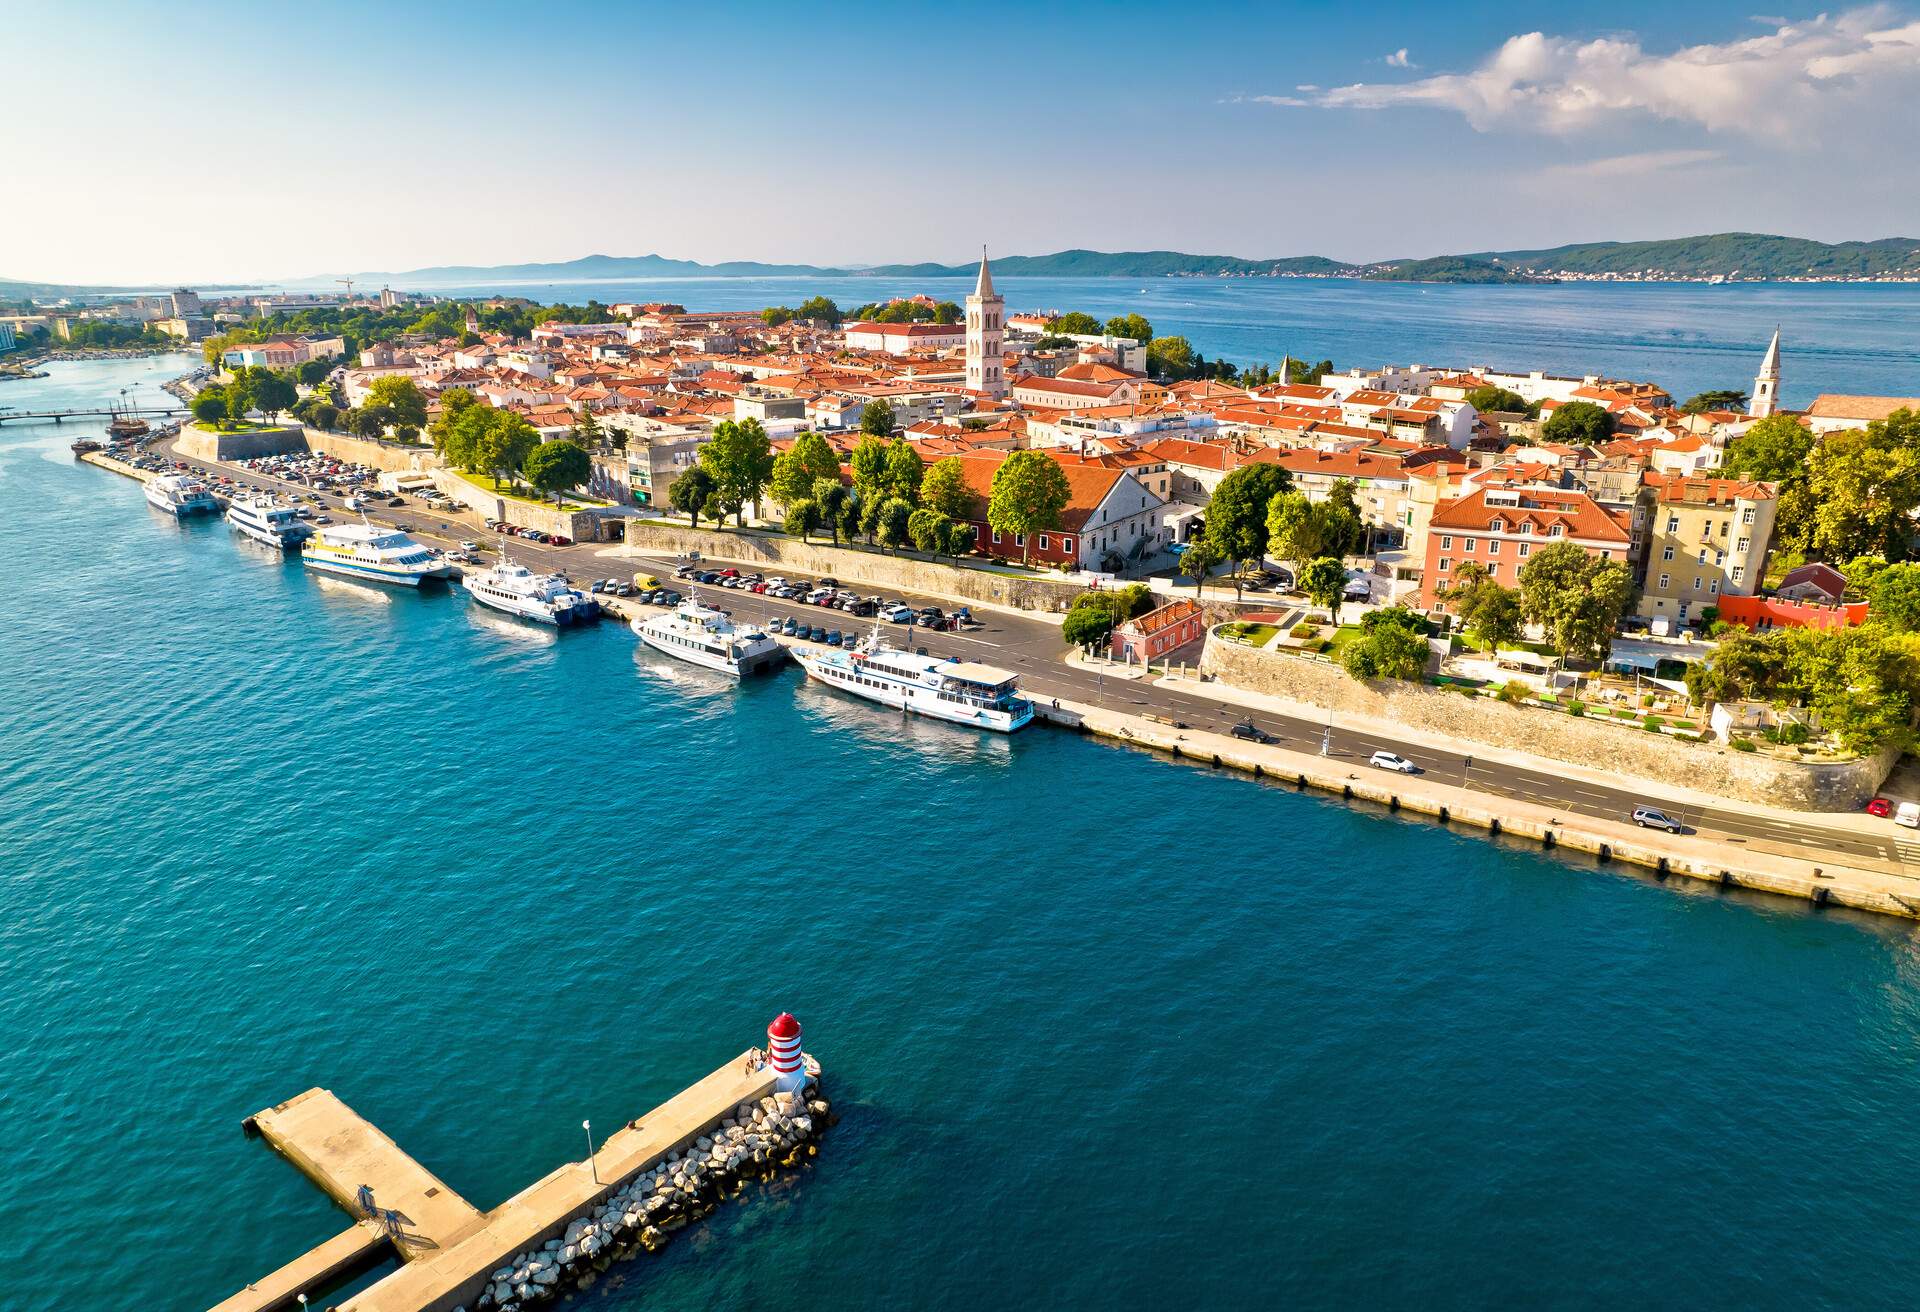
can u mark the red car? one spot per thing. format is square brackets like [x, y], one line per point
[729, 573]
[1880, 806]
[556, 540]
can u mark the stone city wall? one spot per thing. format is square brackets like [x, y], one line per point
[907, 573]
[198, 443]
[580, 525]
[1592, 742]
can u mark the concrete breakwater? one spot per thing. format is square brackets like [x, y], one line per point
[777, 1132]
[1665, 854]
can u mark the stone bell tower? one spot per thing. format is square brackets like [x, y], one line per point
[986, 322]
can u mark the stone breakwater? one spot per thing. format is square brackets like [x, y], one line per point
[780, 1132]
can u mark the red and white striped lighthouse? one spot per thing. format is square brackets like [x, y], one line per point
[783, 1052]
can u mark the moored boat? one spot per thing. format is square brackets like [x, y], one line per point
[266, 520]
[960, 692]
[706, 637]
[181, 495]
[373, 554]
[544, 598]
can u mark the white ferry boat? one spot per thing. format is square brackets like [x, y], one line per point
[963, 692]
[379, 555]
[265, 520]
[703, 636]
[181, 494]
[543, 598]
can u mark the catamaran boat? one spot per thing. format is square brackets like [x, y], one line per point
[963, 692]
[181, 494]
[543, 598]
[266, 520]
[377, 555]
[705, 637]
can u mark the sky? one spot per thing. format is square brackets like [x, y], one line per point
[185, 142]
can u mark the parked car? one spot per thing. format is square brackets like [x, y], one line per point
[1392, 761]
[788, 627]
[560, 540]
[1908, 814]
[900, 615]
[817, 634]
[729, 573]
[1652, 817]
[685, 572]
[396, 501]
[669, 598]
[829, 582]
[1880, 806]
[1252, 732]
[833, 637]
[599, 585]
[624, 590]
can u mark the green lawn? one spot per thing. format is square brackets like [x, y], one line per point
[1254, 635]
[488, 483]
[1345, 634]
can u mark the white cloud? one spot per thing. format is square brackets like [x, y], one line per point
[1398, 59]
[1635, 166]
[1771, 86]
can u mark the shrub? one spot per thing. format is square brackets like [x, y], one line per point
[1744, 745]
[1305, 629]
[1513, 692]
[1794, 734]
[1576, 708]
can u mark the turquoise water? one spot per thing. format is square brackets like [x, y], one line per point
[1100, 1025]
[1689, 337]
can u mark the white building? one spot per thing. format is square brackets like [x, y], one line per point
[986, 324]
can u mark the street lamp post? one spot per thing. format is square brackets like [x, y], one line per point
[591, 1164]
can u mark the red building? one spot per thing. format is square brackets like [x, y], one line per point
[1149, 637]
[1499, 528]
[1763, 613]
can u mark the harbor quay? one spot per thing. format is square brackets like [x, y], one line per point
[759, 1113]
[1800, 855]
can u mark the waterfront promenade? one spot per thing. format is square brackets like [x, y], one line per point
[1030, 645]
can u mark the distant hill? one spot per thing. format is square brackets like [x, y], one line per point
[1724, 254]
[1447, 268]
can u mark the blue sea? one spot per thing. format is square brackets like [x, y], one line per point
[1100, 1026]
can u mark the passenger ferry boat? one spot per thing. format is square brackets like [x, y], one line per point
[379, 555]
[543, 598]
[266, 520]
[962, 692]
[181, 494]
[705, 637]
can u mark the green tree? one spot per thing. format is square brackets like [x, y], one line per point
[1578, 598]
[944, 488]
[800, 467]
[1172, 358]
[689, 493]
[930, 530]
[1299, 371]
[1776, 450]
[1030, 491]
[239, 394]
[904, 471]
[1722, 399]
[818, 307]
[1491, 400]
[1862, 572]
[210, 406]
[1865, 487]
[1237, 515]
[1489, 613]
[1392, 645]
[802, 517]
[1299, 529]
[454, 402]
[946, 312]
[1581, 423]
[740, 459]
[1088, 626]
[1197, 561]
[553, 468]
[1325, 582]
[1075, 324]
[467, 436]
[895, 516]
[312, 372]
[271, 393]
[869, 465]
[834, 499]
[1896, 598]
[1130, 325]
[507, 442]
[876, 418]
[588, 432]
[366, 423]
[401, 397]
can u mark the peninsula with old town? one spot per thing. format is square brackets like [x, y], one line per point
[1681, 632]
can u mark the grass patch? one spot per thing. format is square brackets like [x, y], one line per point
[1342, 636]
[1254, 635]
[488, 483]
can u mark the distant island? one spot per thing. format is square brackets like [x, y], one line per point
[1718, 257]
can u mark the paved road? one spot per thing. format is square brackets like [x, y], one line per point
[1033, 649]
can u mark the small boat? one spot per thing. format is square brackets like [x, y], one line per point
[264, 519]
[375, 555]
[705, 637]
[180, 495]
[544, 598]
[960, 692]
[84, 446]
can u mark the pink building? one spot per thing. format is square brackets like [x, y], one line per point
[1153, 635]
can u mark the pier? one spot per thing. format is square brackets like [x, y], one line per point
[451, 1252]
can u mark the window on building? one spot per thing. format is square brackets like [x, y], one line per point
[1043, 542]
[1446, 542]
[1663, 582]
[1525, 547]
[1498, 526]
[1739, 572]
[1746, 516]
[1673, 523]
[1666, 553]
[1696, 582]
[1713, 586]
[1493, 570]
[1743, 545]
[1468, 548]
[1493, 548]
[1703, 557]
[1557, 531]
[1445, 564]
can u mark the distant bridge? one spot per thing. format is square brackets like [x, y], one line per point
[102, 412]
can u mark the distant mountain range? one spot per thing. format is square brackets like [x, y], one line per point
[1741, 255]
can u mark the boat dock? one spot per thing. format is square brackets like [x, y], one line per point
[450, 1251]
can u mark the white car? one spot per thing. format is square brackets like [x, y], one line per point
[1908, 814]
[1388, 761]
